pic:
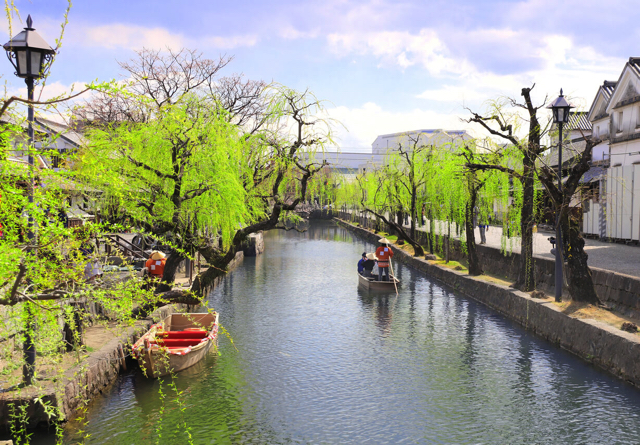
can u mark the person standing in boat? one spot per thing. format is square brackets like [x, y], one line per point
[384, 254]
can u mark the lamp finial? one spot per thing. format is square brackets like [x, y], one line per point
[29, 22]
[561, 92]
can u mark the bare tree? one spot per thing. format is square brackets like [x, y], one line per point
[165, 77]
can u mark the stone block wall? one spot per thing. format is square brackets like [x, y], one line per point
[254, 245]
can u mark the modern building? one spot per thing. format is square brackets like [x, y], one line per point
[351, 163]
[388, 143]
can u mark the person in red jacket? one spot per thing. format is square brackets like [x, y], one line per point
[155, 264]
[384, 254]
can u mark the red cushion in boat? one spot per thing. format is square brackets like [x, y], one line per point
[199, 333]
[178, 342]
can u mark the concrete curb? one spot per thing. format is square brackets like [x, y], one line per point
[611, 349]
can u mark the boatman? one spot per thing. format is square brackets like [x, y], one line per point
[384, 254]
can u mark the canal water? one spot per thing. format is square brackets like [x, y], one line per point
[315, 360]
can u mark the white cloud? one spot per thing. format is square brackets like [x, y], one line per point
[291, 33]
[451, 93]
[50, 91]
[398, 48]
[563, 64]
[364, 124]
[121, 35]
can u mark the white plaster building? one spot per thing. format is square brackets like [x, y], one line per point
[54, 141]
[615, 116]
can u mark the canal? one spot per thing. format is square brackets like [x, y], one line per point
[318, 361]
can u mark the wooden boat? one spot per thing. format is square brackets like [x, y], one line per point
[176, 343]
[373, 284]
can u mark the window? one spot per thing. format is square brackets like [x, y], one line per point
[619, 126]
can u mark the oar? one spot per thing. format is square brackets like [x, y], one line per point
[393, 275]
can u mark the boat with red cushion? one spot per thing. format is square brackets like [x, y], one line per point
[176, 343]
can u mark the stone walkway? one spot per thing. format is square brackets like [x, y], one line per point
[610, 256]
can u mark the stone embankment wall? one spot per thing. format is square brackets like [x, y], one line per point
[618, 291]
[254, 245]
[611, 349]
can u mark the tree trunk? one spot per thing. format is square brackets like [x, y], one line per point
[526, 273]
[169, 275]
[474, 263]
[414, 213]
[447, 246]
[581, 286]
[417, 248]
[431, 227]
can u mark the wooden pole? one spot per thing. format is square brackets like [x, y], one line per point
[393, 275]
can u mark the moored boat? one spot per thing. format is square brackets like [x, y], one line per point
[373, 284]
[176, 343]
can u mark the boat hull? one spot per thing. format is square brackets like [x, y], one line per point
[157, 361]
[385, 286]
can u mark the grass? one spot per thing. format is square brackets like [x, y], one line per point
[455, 265]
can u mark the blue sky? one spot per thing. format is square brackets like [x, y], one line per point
[382, 66]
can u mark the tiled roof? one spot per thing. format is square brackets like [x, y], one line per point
[569, 152]
[607, 88]
[634, 64]
[61, 129]
[593, 174]
[578, 120]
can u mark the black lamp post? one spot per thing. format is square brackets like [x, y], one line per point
[29, 54]
[560, 108]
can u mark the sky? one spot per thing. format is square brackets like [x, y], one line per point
[381, 66]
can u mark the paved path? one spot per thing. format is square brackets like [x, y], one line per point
[611, 256]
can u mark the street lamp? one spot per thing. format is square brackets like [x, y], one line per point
[30, 56]
[560, 108]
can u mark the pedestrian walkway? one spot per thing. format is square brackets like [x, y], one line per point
[615, 257]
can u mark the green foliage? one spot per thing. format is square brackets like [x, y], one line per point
[181, 170]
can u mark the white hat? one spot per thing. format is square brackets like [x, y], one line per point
[157, 255]
[384, 241]
[372, 256]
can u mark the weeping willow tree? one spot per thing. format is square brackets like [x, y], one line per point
[443, 197]
[396, 188]
[177, 176]
[519, 162]
[190, 176]
[455, 197]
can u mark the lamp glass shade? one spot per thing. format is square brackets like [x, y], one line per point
[21, 58]
[36, 59]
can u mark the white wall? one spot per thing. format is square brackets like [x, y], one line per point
[622, 205]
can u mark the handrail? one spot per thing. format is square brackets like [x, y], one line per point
[122, 243]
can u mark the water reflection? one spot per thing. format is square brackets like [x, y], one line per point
[321, 361]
